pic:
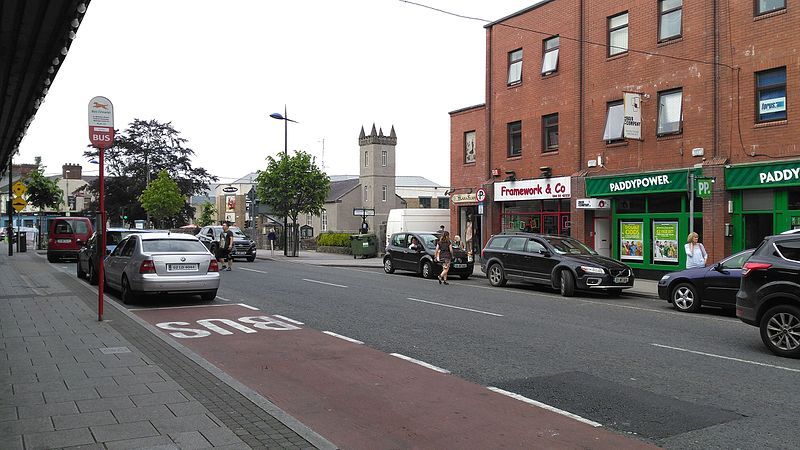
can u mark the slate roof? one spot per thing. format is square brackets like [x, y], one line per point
[340, 188]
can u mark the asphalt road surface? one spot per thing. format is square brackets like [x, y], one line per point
[633, 365]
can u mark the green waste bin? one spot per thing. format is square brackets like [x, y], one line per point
[364, 245]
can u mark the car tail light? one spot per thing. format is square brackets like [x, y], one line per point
[213, 266]
[147, 266]
[751, 266]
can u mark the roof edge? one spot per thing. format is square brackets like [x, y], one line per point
[468, 108]
[520, 12]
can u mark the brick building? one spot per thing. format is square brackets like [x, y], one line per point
[598, 115]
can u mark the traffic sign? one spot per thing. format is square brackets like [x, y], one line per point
[101, 122]
[19, 204]
[363, 212]
[481, 194]
[19, 188]
[230, 189]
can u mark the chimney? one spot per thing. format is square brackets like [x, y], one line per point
[71, 172]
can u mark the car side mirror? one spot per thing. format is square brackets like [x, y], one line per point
[718, 267]
[546, 253]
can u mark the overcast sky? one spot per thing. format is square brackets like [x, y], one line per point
[216, 70]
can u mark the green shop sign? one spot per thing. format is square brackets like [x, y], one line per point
[763, 175]
[642, 183]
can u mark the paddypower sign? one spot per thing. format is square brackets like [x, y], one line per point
[642, 183]
[763, 175]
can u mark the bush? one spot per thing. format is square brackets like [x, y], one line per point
[331, 239]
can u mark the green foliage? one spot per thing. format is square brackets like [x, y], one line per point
[42, 191]
[293, 185]
[162, 199]
[207, 213]
[331, 239]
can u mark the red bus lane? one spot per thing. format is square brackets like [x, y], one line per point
[359, 397]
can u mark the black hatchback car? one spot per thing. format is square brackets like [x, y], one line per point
[769, 296]
[561, 262]
[399, 256]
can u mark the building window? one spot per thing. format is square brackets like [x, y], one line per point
[766, 6]
[771, 95]
[384, 158]
[469, 147]
[366, 159]
[669, 24]
[614, 121]
[444, 202]
[308, 219]
[618, 34]
[324, 220]
[424, 202]
[550, 55]
[384, 192]
[515, 67]
[670, 112]
[514, 139]
[366, 194]
[550, 133]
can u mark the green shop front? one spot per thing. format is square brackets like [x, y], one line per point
[649, 217]
[764, 200]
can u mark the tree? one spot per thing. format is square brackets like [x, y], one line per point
[162, 199]
[43, 192]
[147, 147]
[207, 213]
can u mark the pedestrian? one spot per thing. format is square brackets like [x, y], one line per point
[272, 237]
[696, 255]
[226, 245]
[444, 254]
[456, 241]
[441, 228]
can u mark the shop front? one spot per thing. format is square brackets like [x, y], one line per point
[764, 200]
[649, 217]
[469, 221]
[540, 205]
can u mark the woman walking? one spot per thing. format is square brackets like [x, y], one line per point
[696, 255]
[444, 254]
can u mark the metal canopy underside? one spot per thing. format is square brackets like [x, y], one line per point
[32, 36]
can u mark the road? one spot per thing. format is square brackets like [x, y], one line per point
[633, 365]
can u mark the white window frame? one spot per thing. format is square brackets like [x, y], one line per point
[617, 30]
[667, 112]
[514, 67]
[759, 11]
[384, 158]
[615, 119]
[324, 220]
[550, 55]
[669, 11]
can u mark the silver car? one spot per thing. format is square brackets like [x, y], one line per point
[156, 263]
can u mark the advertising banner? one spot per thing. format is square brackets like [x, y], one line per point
[631, 236]
[230, 202]
[632, 122]
[537, 189]
[665, 242]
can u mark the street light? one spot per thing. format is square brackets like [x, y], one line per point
[286, 121]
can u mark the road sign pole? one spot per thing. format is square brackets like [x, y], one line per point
[102, 245]
[10, 229]
[101, 135]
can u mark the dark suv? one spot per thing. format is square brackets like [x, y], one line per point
[243, 246]
[561, 262]
[769, 296]
[421, 258]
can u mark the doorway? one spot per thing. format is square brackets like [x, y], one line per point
[602, 236]
[756, 227]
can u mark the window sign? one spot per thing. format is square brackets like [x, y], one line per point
[469, 147]
[665, 242]
[772, 105]
[631, 237]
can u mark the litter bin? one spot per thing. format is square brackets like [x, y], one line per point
[22, 242]
[364, 245]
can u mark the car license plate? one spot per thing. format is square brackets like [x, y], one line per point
[63, 241]
[181, 267]
[459, 266]
[620, 279]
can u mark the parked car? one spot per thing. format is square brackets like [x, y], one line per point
[421, 260]
[66, 235]
[561, 262]
[715, 285]
[162, 263]
[88, 255]
[243, 246]
[769, 296]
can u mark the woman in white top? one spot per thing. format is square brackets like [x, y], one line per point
[696, 255]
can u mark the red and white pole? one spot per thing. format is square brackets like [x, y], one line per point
[101, 135]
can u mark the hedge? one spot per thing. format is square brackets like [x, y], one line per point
[331, 239]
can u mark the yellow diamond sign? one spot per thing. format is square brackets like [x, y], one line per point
[19, 189]
[19, 204]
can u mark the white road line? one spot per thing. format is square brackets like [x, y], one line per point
[224, 299]
[455, 307]
[545, 406]
[421, 363]
[727, 357]
[250, 270]
[174, 307]
[296, 322]
[248, 306]
[331, 333]
[322, 282]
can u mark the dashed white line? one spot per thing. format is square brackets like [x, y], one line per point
[545, 406]
[456, 307]
[331, 333]
[251, 270]
[421, 363]
[729, 358]
[322, 282]
[296, 322]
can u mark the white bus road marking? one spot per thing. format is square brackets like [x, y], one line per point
[727, 357]
[248, 306]
[251, 270]
[421, 363]
[455, 307]
[545, 406]
[322, 282]
[296, 322]
[174, 307]
[331, 333]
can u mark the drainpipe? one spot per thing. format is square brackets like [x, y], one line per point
[715, 18]
[486, 225]
[581, 74]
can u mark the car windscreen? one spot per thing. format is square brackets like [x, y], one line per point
[237, 233]
[429, 240]
[172, 246]
[568, 246]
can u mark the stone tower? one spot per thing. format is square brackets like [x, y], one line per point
[377, 174]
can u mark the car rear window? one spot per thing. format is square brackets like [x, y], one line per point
[498, 242]
[789, 250]
[172, 245]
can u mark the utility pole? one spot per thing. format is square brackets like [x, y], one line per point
[10, 229]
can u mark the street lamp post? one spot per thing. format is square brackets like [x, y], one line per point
[286, 121]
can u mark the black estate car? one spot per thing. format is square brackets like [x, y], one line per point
[243, 246]
[420, 259]
[769, 296]
[561, 262]
[88, 266]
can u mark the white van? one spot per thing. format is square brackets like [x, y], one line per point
[416, 219]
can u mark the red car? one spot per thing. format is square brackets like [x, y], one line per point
[66, 236]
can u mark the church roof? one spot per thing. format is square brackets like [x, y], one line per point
[414, 181]
[340, 188]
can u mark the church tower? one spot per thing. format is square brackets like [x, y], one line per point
[377, 174]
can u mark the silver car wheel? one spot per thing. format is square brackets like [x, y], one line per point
[683, 297]
[783, 330]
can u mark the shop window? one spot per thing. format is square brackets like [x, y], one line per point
[469, 147]
[670, 112]
[565, 205]
[444, 202]
[424, 202]
[631, 204]
[515, 67]
[614, 120]
[550, 55]
[550, 133]
[665, 203]
[618, 34]
[514, 139]
[757, 200]
[794, 198]
[767, 6]
[550, 205]
[771, 95]
[669, 24]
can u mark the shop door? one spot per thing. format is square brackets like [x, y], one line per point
[756, 227]
[602, 236]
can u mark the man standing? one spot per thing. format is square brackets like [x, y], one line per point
[226, 244]
[272, 237]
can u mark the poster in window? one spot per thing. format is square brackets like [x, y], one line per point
[665, 242]
[230, 203]
[469, 147]
[631, 236]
